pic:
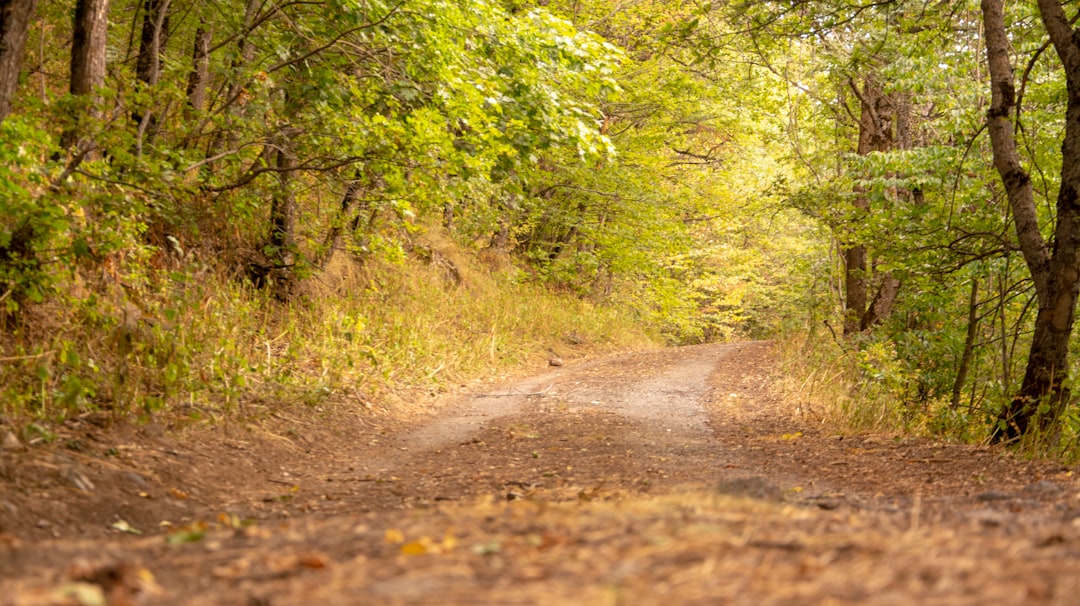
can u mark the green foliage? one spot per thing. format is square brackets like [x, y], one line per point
[27, 226]
[203, 347]
[617, 176]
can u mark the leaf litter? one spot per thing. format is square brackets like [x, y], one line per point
[632, 480]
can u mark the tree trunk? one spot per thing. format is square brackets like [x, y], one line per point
[899, 103]
[282, 241]
[883, 302]
[152, 39]
[969, 345]
[875, 134]
[200, 68]
[15, 18]
[1043, 394]
[854, 284]
[91, 24]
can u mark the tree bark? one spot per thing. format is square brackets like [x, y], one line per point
[881, 307]
[282, 241]
[1043, 394]
[854, 283]
[91, 24]
[200, 68]
[969, 345]
[899, 105]
[875, 134]
[152, 40]
[15, 18]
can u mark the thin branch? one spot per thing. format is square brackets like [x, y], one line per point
[337, 38]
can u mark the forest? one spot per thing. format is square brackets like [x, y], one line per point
[209, 206]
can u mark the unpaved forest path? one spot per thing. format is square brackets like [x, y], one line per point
[662, 477]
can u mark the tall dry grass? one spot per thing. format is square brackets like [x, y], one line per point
[197, 343]
[843, 385]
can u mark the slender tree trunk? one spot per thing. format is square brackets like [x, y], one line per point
[91, 24]
[283, 224]
[152, 40]
[1006, 350]
[1044, 393]
[200, 68]
[889, 289]
[969, 345]
[15, 18]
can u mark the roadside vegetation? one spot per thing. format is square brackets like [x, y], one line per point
[222, 208]
[207, 208]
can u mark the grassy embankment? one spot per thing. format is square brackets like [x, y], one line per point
[196, 344]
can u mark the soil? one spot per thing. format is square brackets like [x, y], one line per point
[675, 476]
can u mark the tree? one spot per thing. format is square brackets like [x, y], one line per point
[200, 66]
[152, 40]
[14, 23]
[87, 73]
[877, 117]
[1054, 267]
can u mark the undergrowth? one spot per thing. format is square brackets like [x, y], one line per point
[861, 385]
[188, 340]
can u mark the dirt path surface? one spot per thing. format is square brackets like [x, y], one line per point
[673, 476]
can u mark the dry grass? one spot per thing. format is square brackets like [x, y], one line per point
[197, 342]
[831, 384]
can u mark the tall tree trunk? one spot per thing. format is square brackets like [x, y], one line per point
[881, 307]
[152, 40]
[200, 68]
[969, 345]
[1043, 394]
[889, 288]
[282, 240]
[90, 26]
[15, 18]
[875, 134]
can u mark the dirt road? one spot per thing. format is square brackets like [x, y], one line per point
[674, 477]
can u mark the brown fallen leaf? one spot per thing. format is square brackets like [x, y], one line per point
[235, 569]
[314, 560]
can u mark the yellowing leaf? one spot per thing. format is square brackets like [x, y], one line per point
[83, 594]
[449, 542]
[123, 526]
[393, 535]
[418, 547]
